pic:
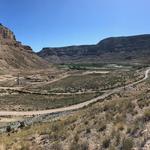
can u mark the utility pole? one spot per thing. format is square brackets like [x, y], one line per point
[124, 82]
[18, 80]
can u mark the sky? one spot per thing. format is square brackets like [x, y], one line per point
[56, 23]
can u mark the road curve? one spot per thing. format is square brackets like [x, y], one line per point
[72, 107]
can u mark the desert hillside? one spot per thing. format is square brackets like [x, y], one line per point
[14, 55]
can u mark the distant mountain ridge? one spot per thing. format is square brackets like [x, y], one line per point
[14, 55]
[134, 49]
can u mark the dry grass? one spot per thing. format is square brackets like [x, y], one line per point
[110, 124]
[117, 122]
[39, 102]
[95, 81]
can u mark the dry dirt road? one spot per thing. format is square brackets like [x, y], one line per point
[73, 107]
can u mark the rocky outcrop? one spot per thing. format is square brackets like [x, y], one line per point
[134, 49]
[14, 55]
[6, 34]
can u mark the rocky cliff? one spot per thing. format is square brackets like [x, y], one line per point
[134, 49]
[5, 33]
[14, 55]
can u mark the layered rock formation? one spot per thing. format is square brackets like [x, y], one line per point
[134, 49]
[14, 55]
[6, 34]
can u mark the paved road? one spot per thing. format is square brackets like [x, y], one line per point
[73, 107]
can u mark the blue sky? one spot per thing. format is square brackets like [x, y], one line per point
[55, 23]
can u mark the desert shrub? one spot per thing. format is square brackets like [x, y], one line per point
[128, 130]
[112, 148]
[56, 146]
[116, 135]
[8, 129]
[118, 138]
[127, 144]
[76, 138]
[101, 127]
[120, 126]
[22, 125]
[88, 130]
[86, 122]
[106, 143]
[147, 115]
[21, 146]
[143, 102]
[135, 128]
[118, 118]
[79, 146]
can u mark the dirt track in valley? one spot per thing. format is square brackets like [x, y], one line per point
[73, 107]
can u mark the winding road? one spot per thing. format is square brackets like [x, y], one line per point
[76, 106]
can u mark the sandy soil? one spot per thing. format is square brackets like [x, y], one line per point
[95, 72]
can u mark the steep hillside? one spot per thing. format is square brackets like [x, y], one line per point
[134, 49]
[14, 55]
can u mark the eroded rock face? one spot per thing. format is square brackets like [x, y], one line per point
[7, 37]
[6, 34]
[134, 49]
[15, 55]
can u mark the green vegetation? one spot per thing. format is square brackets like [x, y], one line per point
[93, 66]
[83, 66]
[100, 66]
